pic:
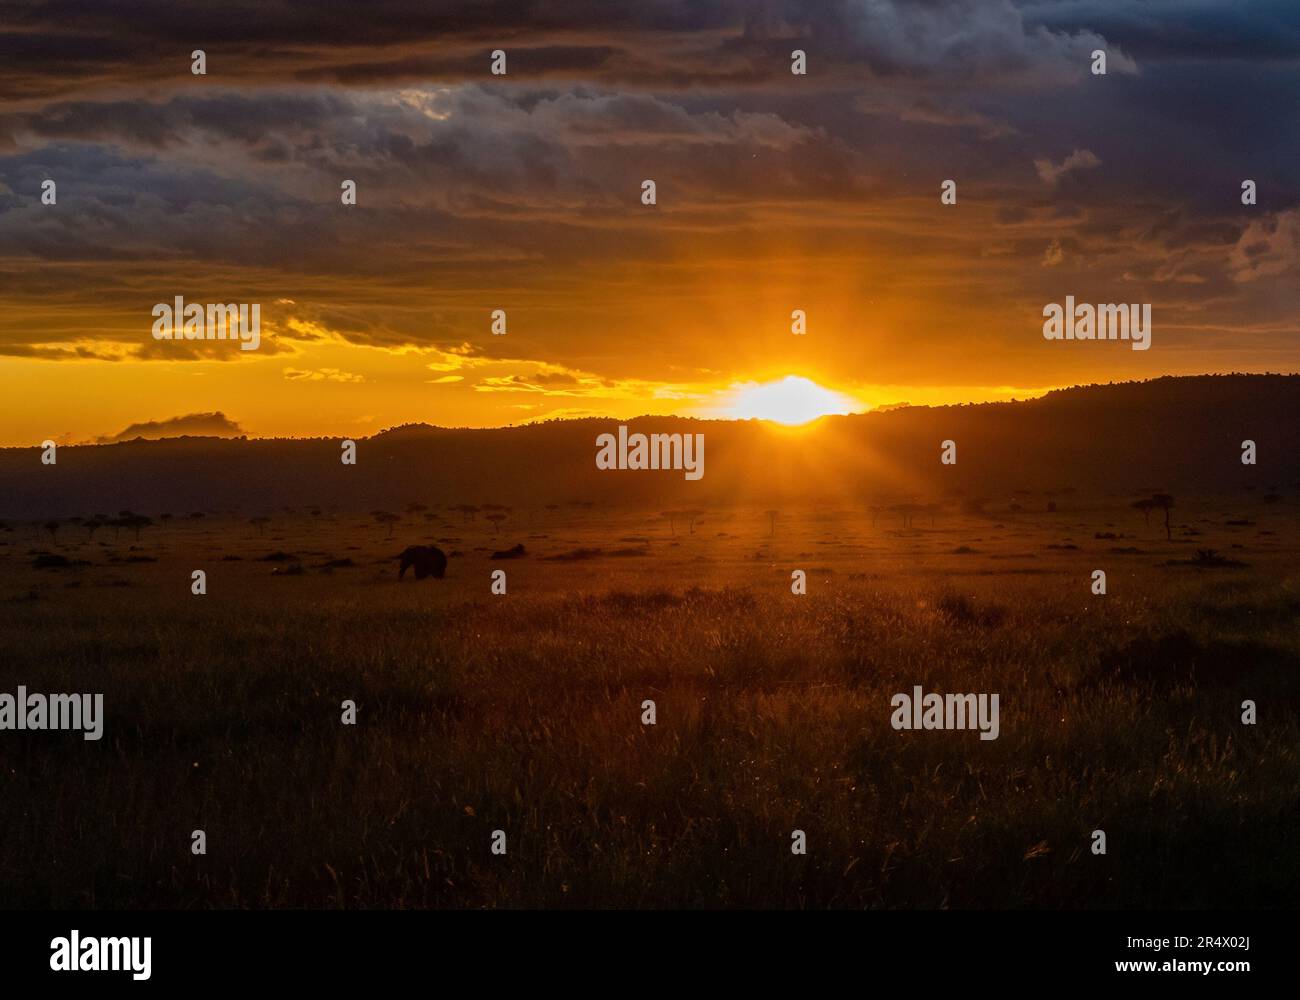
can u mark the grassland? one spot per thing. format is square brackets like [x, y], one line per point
[523, 712]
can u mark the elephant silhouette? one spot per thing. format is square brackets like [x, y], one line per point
[426, 560]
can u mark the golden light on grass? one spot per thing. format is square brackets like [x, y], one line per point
[791, 401]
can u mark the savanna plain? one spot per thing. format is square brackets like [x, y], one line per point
[523, 712]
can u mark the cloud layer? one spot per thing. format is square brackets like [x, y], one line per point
[522, 193]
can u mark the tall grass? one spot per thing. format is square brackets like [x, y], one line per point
[523, 714]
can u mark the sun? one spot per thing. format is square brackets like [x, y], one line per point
[791, 400]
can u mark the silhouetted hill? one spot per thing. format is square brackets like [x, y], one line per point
[1181, 434]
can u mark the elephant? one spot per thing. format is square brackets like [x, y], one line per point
[427, 560]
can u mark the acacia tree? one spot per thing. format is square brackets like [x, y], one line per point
[123, 520]
[1145, 505]
[772, 515]
[384, 517]
[1163, 501]
[496, 517]
[136, 522]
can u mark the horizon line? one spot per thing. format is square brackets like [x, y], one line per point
[776, 425]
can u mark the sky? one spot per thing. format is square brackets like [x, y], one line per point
[775, 192]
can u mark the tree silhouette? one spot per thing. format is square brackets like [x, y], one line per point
[384, 517]
[136, 522]
[53, 528]
[496, 517]
[466, 510]
[1145, 505]
[123, 520]
[692, 515]
[1163, 501]
[672, 516]
[772, 515]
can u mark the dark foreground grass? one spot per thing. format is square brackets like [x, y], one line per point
[523, 714]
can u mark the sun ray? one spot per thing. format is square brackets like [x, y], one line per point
[791, 401]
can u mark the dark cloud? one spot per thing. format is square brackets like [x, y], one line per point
[43, 353]
[477, 192]
[54, 47]
[215, 424]
[1262, 30]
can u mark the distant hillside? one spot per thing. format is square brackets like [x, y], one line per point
[1178, 434]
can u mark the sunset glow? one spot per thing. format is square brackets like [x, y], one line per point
[791, 400]
[427, 241]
